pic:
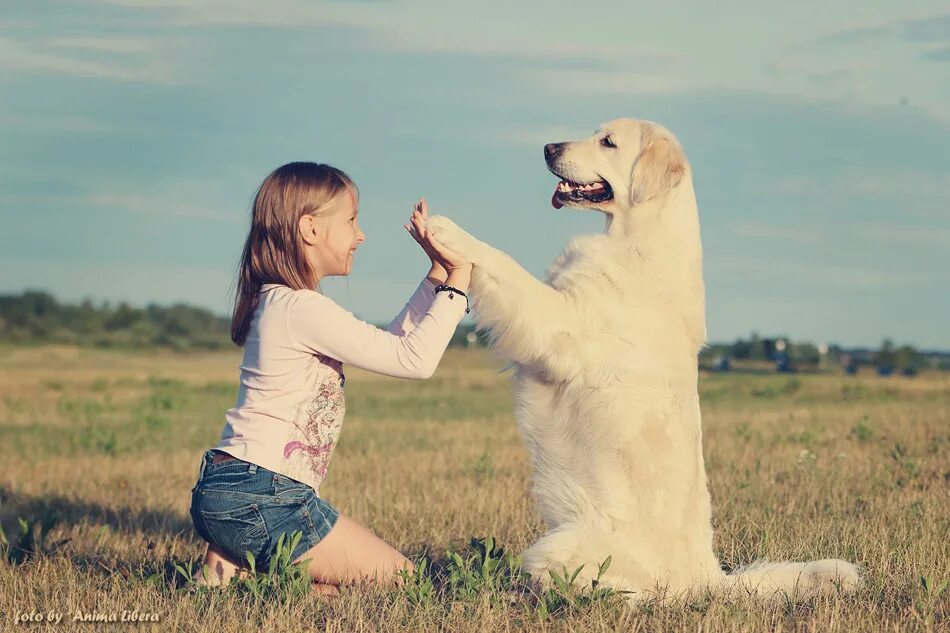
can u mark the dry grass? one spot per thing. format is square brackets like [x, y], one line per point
[800, 467]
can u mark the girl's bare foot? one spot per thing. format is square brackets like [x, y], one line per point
[218, 568]
[322, 589]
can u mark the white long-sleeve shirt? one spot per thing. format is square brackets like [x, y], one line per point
[290, 405]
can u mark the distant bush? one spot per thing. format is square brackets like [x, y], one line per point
[37, 317]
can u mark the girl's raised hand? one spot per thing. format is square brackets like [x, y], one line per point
[439, 254]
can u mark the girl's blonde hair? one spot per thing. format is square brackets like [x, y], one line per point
[273, 251]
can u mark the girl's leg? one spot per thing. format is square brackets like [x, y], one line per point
[351, 553]
[221, 567]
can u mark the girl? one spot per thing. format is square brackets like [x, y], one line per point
[263, 477]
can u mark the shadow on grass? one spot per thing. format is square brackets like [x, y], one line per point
[57, 510]
[72, 512]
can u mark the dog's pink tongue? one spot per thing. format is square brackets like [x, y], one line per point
[555, 202]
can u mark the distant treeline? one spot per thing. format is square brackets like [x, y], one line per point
[35, 317]
[781, 349]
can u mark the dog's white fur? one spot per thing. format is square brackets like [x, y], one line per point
[606, 379]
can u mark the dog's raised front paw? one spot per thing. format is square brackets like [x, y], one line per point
[448, 233]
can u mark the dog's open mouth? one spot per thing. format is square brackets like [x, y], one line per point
[567, 192]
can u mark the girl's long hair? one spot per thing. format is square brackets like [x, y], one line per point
[273, 251]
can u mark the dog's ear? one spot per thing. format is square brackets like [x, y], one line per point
[660, 166]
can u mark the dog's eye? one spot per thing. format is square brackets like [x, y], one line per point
[606, 142]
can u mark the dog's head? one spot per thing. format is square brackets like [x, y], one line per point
[626, 162]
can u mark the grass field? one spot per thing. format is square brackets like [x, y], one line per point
[104, 446]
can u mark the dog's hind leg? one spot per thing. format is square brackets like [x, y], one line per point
[572, 552]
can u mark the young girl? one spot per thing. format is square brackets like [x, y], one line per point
[263, 477]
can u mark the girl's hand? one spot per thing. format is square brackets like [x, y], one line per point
[442, 258]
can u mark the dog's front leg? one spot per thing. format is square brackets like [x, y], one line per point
[529, 321]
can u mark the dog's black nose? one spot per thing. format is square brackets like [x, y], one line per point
[553, 149]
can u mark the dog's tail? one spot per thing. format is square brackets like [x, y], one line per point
[799, 580]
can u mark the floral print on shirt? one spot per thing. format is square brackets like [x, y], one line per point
[320, 421]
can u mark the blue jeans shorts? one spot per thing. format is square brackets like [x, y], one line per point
[243, 507]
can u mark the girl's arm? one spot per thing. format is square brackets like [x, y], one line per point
[414, 342]
[421, 299]
[437, 273]
[415, 309]
[419, 302]
[317, 324]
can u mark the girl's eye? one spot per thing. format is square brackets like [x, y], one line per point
[606, 142]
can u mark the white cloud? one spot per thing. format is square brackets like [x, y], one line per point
[920, 193]
[920, 236]
[159, 207]
[538, 136]
[924, 28]
[549, 51]
[818, 274]
[412, 28]
[285, 14]
[792, 234]
[607, 83]
[799, 62]
[906, 184]
[940, 54]
[120, 45]
[870, 63]
[56, 123]
[48, 56]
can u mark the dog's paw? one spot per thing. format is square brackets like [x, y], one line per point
[448, 233]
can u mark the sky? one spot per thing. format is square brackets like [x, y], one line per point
[133, 134]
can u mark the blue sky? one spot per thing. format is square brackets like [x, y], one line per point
[133, 135]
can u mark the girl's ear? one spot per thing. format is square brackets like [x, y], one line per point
[309, 231]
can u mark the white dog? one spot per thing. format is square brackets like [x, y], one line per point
[606, 375]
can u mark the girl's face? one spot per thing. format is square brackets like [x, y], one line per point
[340, 235]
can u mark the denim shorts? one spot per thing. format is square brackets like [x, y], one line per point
[243, 507]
